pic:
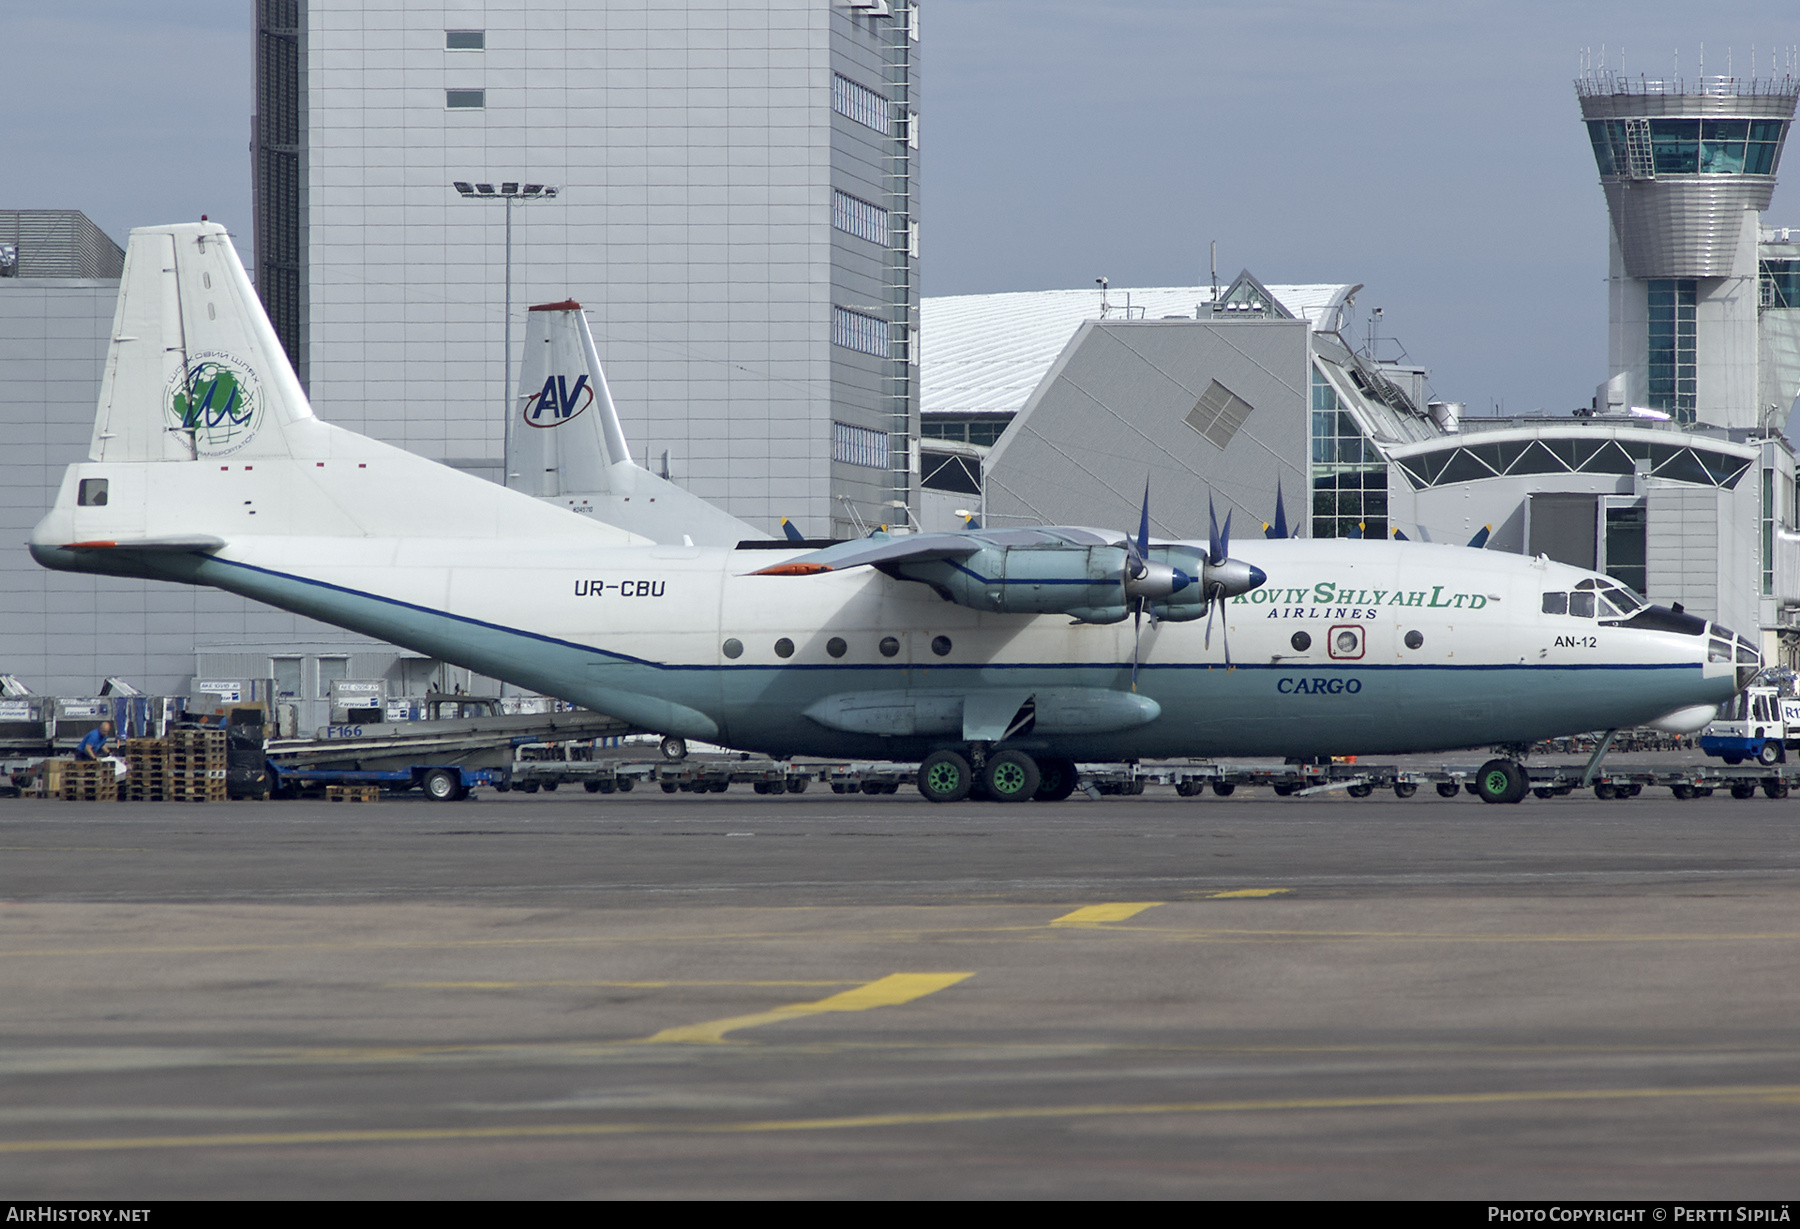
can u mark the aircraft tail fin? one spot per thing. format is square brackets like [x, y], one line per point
[194, 369]
[565, 445]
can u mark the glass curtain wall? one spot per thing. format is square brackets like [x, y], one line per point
[1673, 383]
[1349, 477]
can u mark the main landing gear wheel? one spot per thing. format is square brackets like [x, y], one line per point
[674, 748]
[945, 776]
[1501, 781]
[1769, 754]
[1056, 780]
[1011, 776]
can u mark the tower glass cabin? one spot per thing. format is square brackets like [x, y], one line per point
[1687, 168]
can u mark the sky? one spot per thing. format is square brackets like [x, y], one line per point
[1430, 150]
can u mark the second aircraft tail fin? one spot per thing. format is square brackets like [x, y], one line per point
[566, 447]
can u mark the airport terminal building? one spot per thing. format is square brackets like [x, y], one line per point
[1677, 478]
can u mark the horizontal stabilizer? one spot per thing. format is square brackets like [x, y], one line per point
[182, 542]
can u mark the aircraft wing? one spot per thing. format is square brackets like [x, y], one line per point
[887, 551]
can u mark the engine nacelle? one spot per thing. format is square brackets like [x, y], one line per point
[1030, 579]
[1092, 583]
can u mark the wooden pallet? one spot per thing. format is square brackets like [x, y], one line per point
[353, 793]
[89, 781]
[51, 782]
[195, 743]
[210, 791]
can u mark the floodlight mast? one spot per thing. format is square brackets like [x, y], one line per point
[509, 193]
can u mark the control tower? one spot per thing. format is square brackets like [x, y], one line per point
[1688, 168]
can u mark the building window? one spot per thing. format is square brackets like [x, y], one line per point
[859, 218]
[859, 446]
[332, 670]
[1768, 532]
[985, 430]
[1349, 478]
[1625, 547]
[1218, 414]
[1596, 454]
[286, 672]
[1779, 284]
[465, 40]
[465, 100]
[860, 103]
[855, 331]
[949, 471]
[1672, 383]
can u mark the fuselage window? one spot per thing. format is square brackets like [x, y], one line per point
[1556, 603]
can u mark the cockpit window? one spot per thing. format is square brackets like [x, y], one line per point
[1625, 597]
[1608, 598]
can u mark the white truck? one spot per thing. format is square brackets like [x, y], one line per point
[1755, 725]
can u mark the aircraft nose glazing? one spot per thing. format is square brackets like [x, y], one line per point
[1749, 659]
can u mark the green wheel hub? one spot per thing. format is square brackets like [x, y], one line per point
[1009, 779]
[944, 777]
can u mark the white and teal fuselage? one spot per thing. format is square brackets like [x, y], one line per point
[645, 633]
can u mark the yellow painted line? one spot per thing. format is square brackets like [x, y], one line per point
[628, 985]
[1247, 892]
[889, 991]
[1118, 911]
[1776, 1094]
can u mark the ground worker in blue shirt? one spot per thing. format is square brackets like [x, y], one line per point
[93, 743]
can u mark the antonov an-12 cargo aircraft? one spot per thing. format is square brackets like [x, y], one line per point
[997, 657]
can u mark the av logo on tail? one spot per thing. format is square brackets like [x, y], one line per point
[219, 399]
[557, 402]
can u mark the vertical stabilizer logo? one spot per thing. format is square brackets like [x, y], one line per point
[558, 401]
[219, 399]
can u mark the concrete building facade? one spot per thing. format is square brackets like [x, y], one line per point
[737, 208]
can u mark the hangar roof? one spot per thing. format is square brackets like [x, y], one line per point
[987, 352]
